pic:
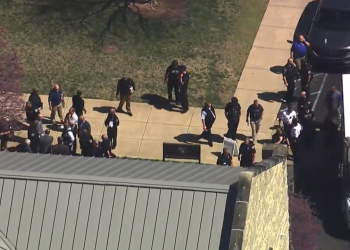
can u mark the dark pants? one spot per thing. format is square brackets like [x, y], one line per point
[174, 86]
[112, 136]
[3, 142]
[232, 129]
[184, 100]
[294, 147]
[74, 148]
[305, 88]
[206, 134]
[34, 145]
[287, 129]
[290, 93]
[309, 134]
[246, 162]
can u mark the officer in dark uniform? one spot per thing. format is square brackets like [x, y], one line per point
[6, 132]
[112, 123]
[172, 74]
[246, 154]
[305, 77]
[225, 158]
[125, 87]
[232, 114]
[208, 117]
[31, 112]
[86, 143]
[184, 79]
[303, 104]
[289, 78]
[34, 137]
[309, 128]
[35, 100]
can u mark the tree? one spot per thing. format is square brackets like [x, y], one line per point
[304, 229]
[11, 74]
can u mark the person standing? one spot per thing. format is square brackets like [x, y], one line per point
[303, 104]
[289, 78]
[295, 133]
[125, 87]
[6, 133]
[86, 143]
[112, 123]
[287, 117]
[39, 124]
[233, 114]
[208, 117]
[184, 79]
[309, 128]
[172, 81]
[225, 158]
[255, 114]
[78, 103]
[305, 77]
[60, 148]
[34, 137]
[31, 112]
[106, 146]
[298, 50]
[68, 137]
[56, 103]
[35, 100]
[246, 154]
[83, 124]
[72, 119]
[45, 142]
[333, 102]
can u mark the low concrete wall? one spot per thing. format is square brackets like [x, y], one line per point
[261, 217]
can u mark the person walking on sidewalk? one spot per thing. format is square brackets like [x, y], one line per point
[208, 117]
[298, 50]
[125, 87]
[255, 114]
[232, 114]
[56, 103]
[287, 117]
[289, 78]
[112, 123]
[305, 77]
[184, 79]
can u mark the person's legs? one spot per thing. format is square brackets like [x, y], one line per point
[257, 127]
[234, 131]
[209, 137]
[53, 113]
[121, 103]
[170, 91]
[60, 112]
[184, 101]
[252, 125]
[128, 103]
[297, 62]
[177, 93]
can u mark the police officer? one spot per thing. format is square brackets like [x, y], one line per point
[303, 104]
[6, 133]
[172, 74]
[35, 100]
[208, 117]
[232, 114]
[112, 123]
[309, 128]
[86, 143]
[31, 112]
[184, 79]
[34, 137]
[305, 77]
[125, 87]
[68, 136]
[246, 154]
[289, 78]
[225, 158]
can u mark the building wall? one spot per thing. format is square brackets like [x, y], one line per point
[43, 215]
[267, 221]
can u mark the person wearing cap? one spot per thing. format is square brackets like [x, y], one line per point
[232, 114]
[172, 75]
[35, 100]
[246, 154]
[125, 88]
[184, 79]
[225, 158]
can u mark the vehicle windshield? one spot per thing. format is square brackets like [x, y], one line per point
[333, 19]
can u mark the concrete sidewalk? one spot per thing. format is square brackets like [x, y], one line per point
[142, 135]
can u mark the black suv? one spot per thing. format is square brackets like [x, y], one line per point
[329, 35]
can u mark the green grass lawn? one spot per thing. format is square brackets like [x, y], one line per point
[213, 40]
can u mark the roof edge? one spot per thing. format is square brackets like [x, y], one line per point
[117, 181]
[7, 242]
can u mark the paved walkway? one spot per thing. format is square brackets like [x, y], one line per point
[142, 134]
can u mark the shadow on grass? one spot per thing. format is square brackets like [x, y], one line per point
[191, 138]
[159, 102]
[271, 96]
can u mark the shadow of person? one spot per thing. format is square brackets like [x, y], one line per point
[103, 109]
[159, 102]
[192, 138]
[271, 96]
[55, 127]
[277, 69]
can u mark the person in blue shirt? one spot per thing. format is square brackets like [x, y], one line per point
[56, 103]
[298, 50]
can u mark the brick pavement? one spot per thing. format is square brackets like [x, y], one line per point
[142, 134]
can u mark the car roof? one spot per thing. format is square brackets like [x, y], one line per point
[336, 4]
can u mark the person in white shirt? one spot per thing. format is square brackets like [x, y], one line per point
[72, 119]
[287, 117]
[208, 117]
[294, 135]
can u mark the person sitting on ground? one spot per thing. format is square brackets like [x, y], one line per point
[225, 158]
[60, 148]
[281, 137]
[106, 146]
[24, 147]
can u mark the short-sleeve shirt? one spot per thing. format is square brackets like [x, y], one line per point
[255, 112]
[299, 49]
[295, 132]
[224, 160]
[287, 116]
[78, 103]
[173, 74]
